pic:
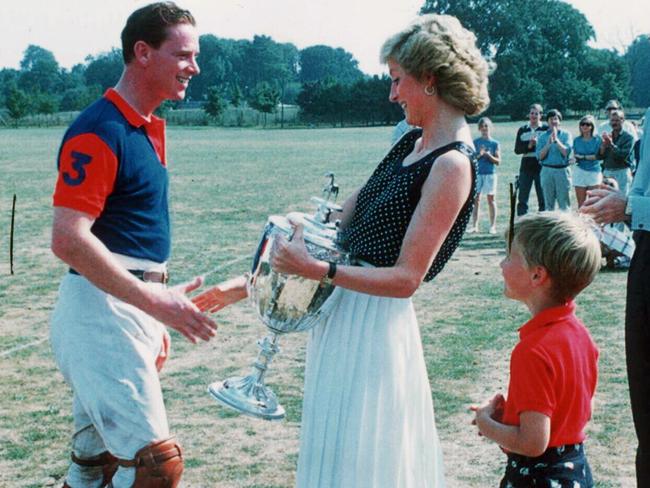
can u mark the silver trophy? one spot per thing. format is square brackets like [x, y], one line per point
[284, 303]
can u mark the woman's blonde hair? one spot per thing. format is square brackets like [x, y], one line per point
[440, 46]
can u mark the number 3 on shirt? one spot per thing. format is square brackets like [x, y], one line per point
[78, 162]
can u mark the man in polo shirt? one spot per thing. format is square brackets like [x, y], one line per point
[553, 150]
[606, 126]
[616, 152]
[111, 227]
[607, 206]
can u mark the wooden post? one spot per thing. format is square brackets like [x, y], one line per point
[11, 236]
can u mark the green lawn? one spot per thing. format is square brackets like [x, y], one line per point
[225, 182]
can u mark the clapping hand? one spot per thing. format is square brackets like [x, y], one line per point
[605, 205]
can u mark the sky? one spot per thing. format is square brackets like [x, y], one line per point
[73, 29]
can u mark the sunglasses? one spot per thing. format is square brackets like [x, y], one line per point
[582, 124]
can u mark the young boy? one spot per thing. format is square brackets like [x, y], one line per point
[553, 368]
[489, 156]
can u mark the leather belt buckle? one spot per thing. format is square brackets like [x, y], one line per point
[155, 277]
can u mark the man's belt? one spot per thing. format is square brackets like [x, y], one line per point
[556, 166]
[146, 276]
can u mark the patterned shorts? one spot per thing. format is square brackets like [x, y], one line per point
[559, 467]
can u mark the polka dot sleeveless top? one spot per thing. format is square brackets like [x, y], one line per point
[387, 202]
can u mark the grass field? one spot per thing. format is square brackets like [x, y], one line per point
[224, 185]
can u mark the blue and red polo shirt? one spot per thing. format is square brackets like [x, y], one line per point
[112, 166]
[554, 371]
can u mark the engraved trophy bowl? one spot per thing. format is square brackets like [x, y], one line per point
[284, 303]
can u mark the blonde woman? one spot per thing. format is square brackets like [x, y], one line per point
[368, 414]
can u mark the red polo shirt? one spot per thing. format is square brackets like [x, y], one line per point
[553, 371]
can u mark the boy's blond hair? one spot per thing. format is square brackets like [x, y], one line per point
[565, 245]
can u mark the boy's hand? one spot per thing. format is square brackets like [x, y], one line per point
[499, 402]
[491, 409]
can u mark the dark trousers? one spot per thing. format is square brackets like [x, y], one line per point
[526, 179]
[637, 351]
[559, 467]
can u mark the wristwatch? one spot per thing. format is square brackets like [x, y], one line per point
[329, 276]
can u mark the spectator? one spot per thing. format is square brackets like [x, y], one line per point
[529, 169]
[553, 151]
[616, 152]
[587, 174]
[489, 156]
[606, 126]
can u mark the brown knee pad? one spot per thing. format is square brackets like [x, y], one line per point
[158, 465]
[106, 460]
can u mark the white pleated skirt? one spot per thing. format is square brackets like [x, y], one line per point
[367, 416]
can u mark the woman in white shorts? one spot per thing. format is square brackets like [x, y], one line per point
[588, 172]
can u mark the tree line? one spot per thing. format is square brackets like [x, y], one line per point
[260, 73]
[540, 49]
[541, 52]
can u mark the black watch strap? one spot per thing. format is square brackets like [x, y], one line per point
[329, 276]
[331, 272]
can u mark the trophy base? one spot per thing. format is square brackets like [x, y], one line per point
[247, 396]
